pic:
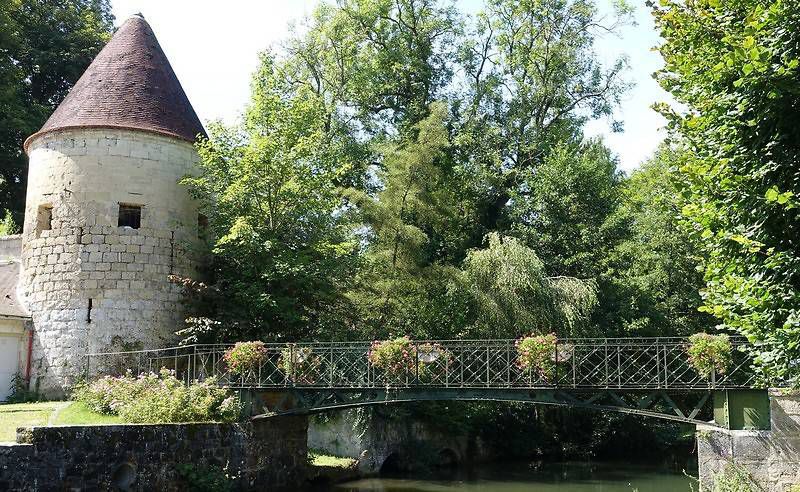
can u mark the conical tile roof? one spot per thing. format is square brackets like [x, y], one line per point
[130, 84]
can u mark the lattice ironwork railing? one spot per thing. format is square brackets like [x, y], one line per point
[597, 363]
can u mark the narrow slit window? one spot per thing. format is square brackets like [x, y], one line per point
[130, 216]
[44, 218]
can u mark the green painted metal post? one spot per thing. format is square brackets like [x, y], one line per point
[742, 409]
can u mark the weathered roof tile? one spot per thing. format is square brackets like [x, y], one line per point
[130, 84]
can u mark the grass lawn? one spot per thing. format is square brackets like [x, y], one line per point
[23, 414]
[78, 414]
[31, 414]
[319, 459]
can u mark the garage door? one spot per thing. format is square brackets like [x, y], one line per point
[9, 363]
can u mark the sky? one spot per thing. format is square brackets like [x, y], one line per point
[213, 47]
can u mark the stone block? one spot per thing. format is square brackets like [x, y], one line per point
[788, 405]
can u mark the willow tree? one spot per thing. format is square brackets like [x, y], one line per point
[514, 296]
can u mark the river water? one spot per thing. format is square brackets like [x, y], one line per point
[518, 477]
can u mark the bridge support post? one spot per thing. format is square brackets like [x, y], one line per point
[742, 409]
[768, 454]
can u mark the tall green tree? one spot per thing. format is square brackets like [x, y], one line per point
[734, 66]
[270, 190]
[402, 219]
[652, 273]
[383, 61]
[45, 45]
[565, 209]
[532, 80]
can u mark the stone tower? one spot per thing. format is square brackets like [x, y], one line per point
[106, 221]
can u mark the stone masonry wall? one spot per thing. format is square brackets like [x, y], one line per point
[364, 435]
[266, 455]
[90, 285]
[771, 458]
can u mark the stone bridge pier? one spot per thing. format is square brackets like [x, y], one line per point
[770, 457]
[383, 444]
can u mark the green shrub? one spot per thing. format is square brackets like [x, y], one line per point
[300, 364]
[709, 354]
[536, 352]
[245, 356]
[157, 398]
[20, 392]
[734, 478]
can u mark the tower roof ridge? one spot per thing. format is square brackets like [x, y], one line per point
[130, 85]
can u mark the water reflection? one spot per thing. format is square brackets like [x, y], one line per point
[518, 477]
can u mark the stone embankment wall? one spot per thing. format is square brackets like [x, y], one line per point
[90, 285]
[772, 458]
[265, 455]
[10, 247]
[372, 439]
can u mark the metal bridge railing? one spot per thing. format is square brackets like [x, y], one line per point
[581, 363]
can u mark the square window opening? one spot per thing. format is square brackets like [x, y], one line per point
[130, 216]
[44, 218]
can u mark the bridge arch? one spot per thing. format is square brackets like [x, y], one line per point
[392, 464]
[447, 458]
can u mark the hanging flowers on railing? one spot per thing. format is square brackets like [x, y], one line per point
[400, 357]
[538, 353]
[300, 364]
[245, 357]
[395, 357]
[709, 354]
